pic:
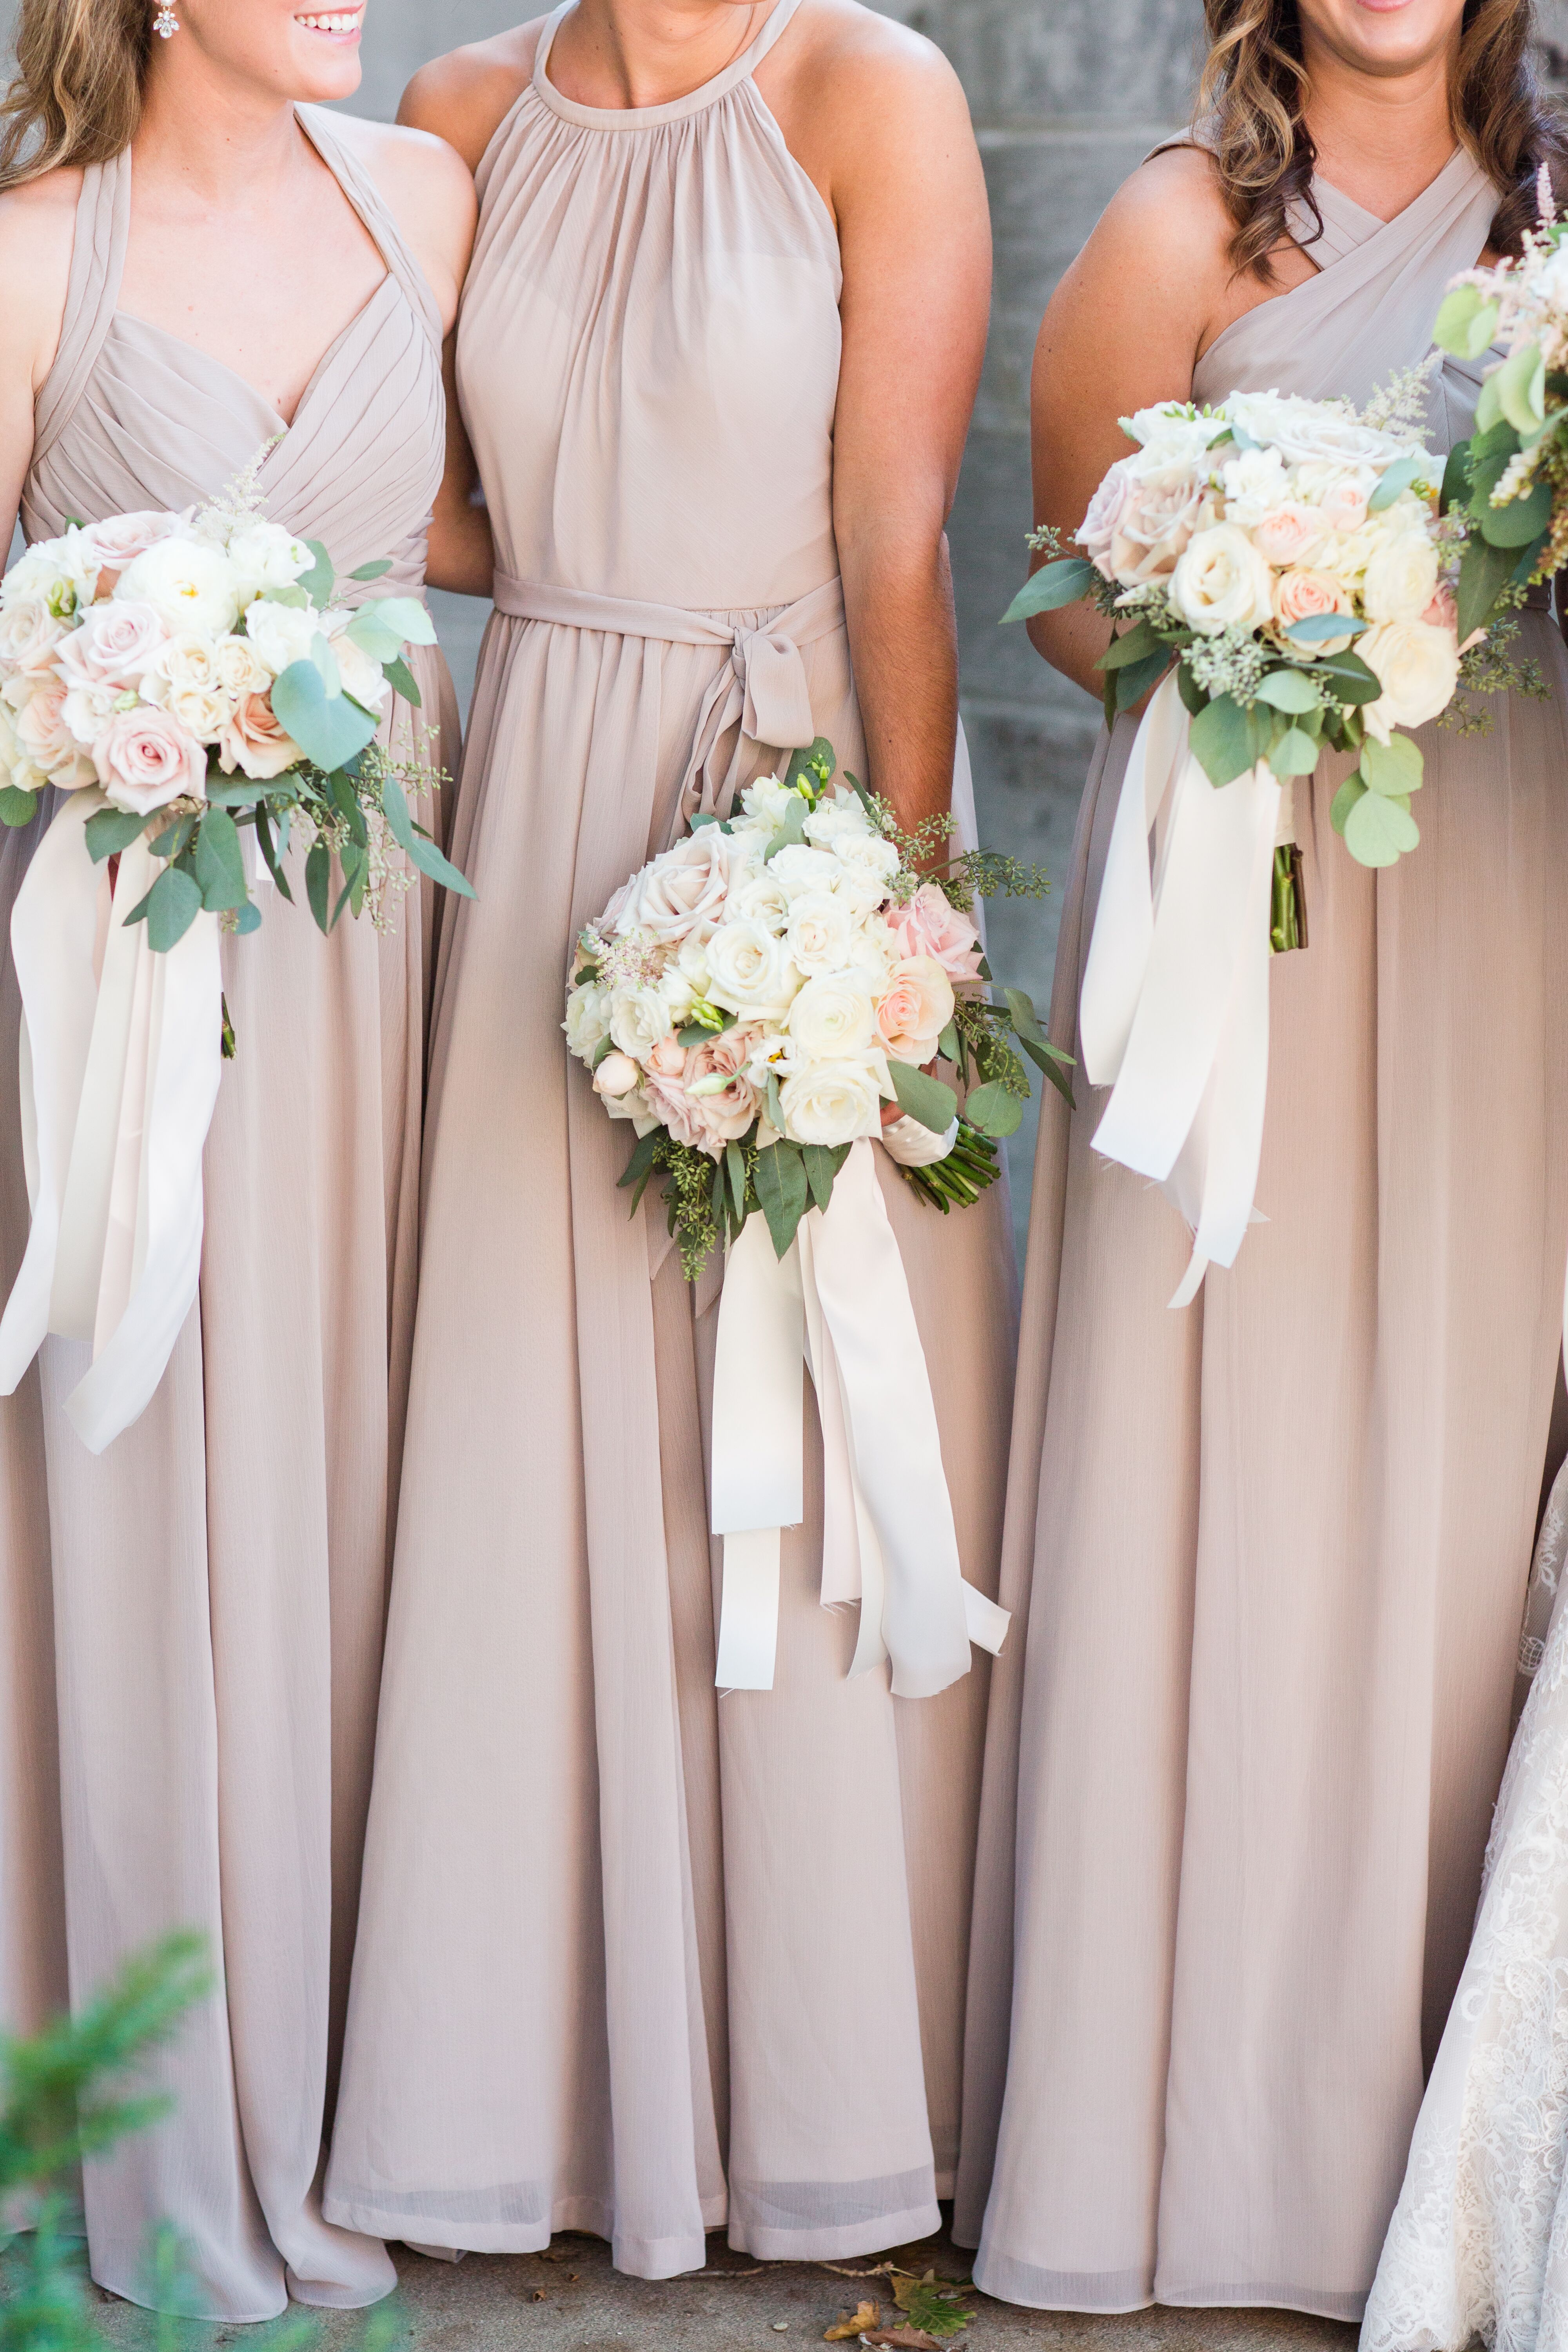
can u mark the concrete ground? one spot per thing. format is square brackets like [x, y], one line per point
[570, 2300]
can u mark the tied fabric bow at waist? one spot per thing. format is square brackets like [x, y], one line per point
[1175, 1011]
[838, 1299]
[763, 689]
[121, 1058]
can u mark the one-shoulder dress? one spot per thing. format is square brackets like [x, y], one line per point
[1241, 1771]
[635, 1959]
[217, 1580]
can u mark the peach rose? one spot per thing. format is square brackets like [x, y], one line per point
[916, 1009]
[931, 925]
[1292, 534]
[616, 1075]
[116, 644]
[1302, 594]
[255, 741]
[723, 1099]
[668, 1058]
[1443, 613]
[144, 757]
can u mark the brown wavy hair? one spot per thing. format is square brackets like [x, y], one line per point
[1252, 112]
[75, 96]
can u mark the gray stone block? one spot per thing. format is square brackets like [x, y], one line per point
[1022, 61]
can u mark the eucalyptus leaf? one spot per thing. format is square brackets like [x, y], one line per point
[372, 570]
[1221, 739]
[1395, 768]
[172, 905]
[328, 730]
[415, 844]
[219, 863]
[993, 1111]
[1134, 645]
[1484, 573]
[321, 580]
[249, 919]
[271, 856]
[405, 617]
[775, 1103]
[1055, 1064]
[1378, 831]
[1322, 629]
[1489, 405]
[111, 833]
[792, 828]
[783, 1190]
[383, 644]
[1351, 791]
[1021, 1011]
[318, 885]
[1134, 682]
[1518, 521]
[17, 807]
[1295, 754]
[817, 755]
[735, 1169]
[1521, 386]
[1466, 322]
[923, 1098]
[823, 1162]
[1350, 679]
[1289, 689]
[1455, 477]
[1065, 581]
[1396, 478]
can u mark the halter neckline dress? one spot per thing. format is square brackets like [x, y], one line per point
[635, 1959]
[217, 1580]
[1242, 1765]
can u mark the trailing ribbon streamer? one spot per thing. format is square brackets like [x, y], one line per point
[122, 1057]
[839, 1297]
[1174, 1013]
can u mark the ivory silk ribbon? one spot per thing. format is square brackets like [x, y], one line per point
[122, 1056]
[1175, 1011]
[839, 1297]
[763, 688]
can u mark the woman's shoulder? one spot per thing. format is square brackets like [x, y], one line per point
[37, 234]
[1170, 215]
[429, 190]
[466, 95]
[849, 57]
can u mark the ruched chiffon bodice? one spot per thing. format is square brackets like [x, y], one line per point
[614, 250]
[1277, 1544]
[216, 1578]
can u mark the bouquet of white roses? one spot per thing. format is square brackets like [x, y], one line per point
[193, 673]
[749, 1001]
[752, 997]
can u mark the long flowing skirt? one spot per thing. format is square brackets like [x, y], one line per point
[632, 1956]
[1277, 1546]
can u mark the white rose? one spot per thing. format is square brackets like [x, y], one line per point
[821, 930]
[185, 660]
[62, 574]
[1307, 432]
[682, 891]
[836, 820]
[833, 1102]
[1170, 438]
[188, 584]
[763, 900]
[239, 672]
[800, 867]
[869, 866]
[1255, 484]
[281, 635]
[1222, 582]
[1401, 577]
[691, 961]
[748, 969]
[832, 1018]
[265, 555]
[1418, 668]
[587, 1022]
[89, 709]
[11, 753]
[767, 800]
[677, 991]
[639, 1017]
[202, 712]
[29, 633]
[361, 677]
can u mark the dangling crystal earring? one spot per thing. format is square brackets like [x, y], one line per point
[165, 23]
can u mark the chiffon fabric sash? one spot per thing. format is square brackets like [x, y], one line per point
[839, 1297]
[763, 689]
[121, 1059]
[1174, 1013]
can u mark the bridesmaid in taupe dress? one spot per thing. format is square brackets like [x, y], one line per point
[634, 1957]
[239, 271]
[1278, 1544]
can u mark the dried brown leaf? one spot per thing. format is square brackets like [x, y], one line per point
[908, 2339]
[852, 2323]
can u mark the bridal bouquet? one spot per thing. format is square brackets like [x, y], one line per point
[749, 1001]
[1509, 480]
[193, 673]
[752, 997]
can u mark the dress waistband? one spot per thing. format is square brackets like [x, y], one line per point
[762, 690]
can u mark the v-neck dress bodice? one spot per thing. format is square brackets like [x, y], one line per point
[216, 1578]
[131, 416]
[1278, 1543]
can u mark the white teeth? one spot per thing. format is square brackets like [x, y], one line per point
[330, 24]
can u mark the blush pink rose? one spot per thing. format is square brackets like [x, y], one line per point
[1443, 613]
[115, 646]
[916, 1009]
[119, 542]
[1099, 527]
[29, 634]
[668, 1058]
[144, 759]
[1292, 534]
[1344, 503]
[682, 892]
[1300, 596]
[43, 730]
[931, 925]
[1156, 524]
[725, 1114]
[255, 741]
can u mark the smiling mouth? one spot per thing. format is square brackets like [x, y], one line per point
[340, 25]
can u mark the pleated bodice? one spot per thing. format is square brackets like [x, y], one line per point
[648, 358]
[133, 417]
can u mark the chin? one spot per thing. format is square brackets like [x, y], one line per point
[319, 80]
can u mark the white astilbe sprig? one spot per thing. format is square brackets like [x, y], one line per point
[239, 502]
[1399, 406]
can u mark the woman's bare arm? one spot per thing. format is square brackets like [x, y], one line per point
[37, 228]
[875, 116]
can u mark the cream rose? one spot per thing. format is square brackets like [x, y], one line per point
[256, 743]
[1289, 534]
[800, 867]
[682, 892]
[189, 585]
[1097, 533]
[239, 672]
[144, 759]
[1222, 582]
[202, 712]
[29, 635]
[761, 900]
[1418, 669]
[1400, 579]
[749, 969]
[821, 929]
[361, 677]
[616, 1075]
[264, 555]
[832, 1018]
[187, 659]
[45, 737]
[836, 820]
[1255, 485]
[587, 1022]
[281, 635]
[639, 1017]
[89, 709]
[833, 1102]
[1339, 493]
[1309, 432]
[916, 1010]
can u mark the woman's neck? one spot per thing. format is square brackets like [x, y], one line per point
[220, 140]
[1381, 140]
[637, 53]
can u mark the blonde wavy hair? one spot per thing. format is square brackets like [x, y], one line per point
[1252, 112]
[75, 96]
